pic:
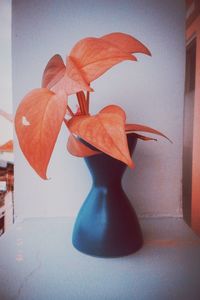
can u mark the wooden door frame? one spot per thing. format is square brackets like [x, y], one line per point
[193, 29]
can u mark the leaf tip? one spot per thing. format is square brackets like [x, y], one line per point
[43, 175]
[131, 164]
[133, 57]
[148, 52]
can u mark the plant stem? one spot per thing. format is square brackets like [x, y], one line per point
[82, 102]
[88, 101]
[70, 111]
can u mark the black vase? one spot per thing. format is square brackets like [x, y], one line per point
[107, 225]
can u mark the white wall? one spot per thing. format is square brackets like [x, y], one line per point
[151, 91]
[6, 128]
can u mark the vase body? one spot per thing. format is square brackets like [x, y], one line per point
[107, 225]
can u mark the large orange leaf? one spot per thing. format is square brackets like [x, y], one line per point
[38, 121]
[89, 59]
[105, 131]
[76, 148]
[7, 147]
[126, 43]
[136, 127]
[59, 77]
[94, 56]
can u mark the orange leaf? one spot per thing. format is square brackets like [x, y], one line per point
[53, 72]
[59, 77]
[76, 148]
[105, 131]
[126, 42]
[38, 121]
[114, 109]
[136, 127]
[142, 137]
[72, 80]
[94, 56]
[7, 147]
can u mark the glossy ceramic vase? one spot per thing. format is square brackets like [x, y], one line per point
[107, 225]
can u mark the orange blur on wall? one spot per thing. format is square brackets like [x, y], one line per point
[193, 30]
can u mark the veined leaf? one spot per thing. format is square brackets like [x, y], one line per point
[126, 43]
[53, 72]
[72, 80]
[94, 56]
[114, 109]
[89, 59]
[38, 121]
[58, 77]
[105, 131]
[136, 127]
[76, 148]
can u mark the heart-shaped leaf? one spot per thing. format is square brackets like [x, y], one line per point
[136, 127]
[126, 43]
[58, 77]
[72, 80]
[7, 147]
[105, 131]
[76, 148]
[53, 72]
[89, 59]
[38, 121]
[114, 109]
[94, 56]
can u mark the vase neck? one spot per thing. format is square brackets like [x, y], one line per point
[106, 182]
[105, 170]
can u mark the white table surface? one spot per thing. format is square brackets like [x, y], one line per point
[38, 262]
